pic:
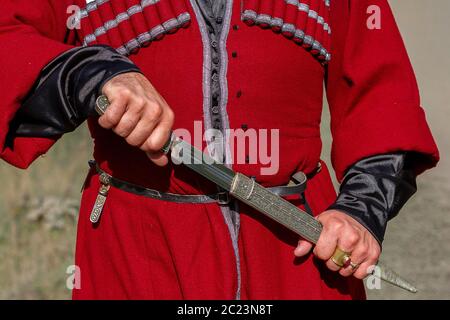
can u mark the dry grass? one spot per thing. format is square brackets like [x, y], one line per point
[38, 220]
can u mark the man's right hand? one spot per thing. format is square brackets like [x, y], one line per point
[139, 114]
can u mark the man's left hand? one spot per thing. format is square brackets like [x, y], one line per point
[344, 232]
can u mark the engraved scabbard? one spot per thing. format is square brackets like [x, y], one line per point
[280, 210]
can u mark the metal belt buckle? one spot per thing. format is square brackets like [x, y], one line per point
[223, 198]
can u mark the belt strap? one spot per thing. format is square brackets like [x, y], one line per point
[296, 187]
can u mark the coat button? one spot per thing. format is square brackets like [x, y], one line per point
[239, 94]
[217, 123]
[235, 27]
[244, 127]
[214, 44]
[215, 109]
[234, 54]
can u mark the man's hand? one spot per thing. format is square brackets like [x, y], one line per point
[340, 230]
[138, 113]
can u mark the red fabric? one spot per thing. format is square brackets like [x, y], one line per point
[266, 6]
[87, 28]
[165, 12]
[144, 248]
[290, 17]
[311, 24]
[97, 22]
[126, 30]
[30, 40]
[372, 90]
[107, 14]
[304, 19]
[301, 22]
[139, 23]
[278, 11]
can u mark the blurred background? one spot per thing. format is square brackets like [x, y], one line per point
[38, 207]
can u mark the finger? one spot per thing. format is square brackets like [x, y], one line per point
[348, 239]
[153, 145]
[154, 111]
[140, 134]
[326, 245]
[370, 261]
[347, 242]
[304, 247]
[158, 158]
[160, 135]
[158, 139]
[114, 112]
[127, 124]
[364, 268]
[358, 256]
[332, 266]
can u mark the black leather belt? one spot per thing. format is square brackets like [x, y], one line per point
[297, 186]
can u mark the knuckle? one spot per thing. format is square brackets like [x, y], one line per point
[155, 111]
[330, 265]
[376, 251]
[320, 253]
[124, 92]
[107, 90]
[344, 272]
[103, 123]
[133, 141]
[111, 117]
[336, 224]
[120, 133]
[170, 116]
[353, 238]
[372, 260]
[360, 275]
[364, 250]
[125, 129]
[139, 103]
[144, 147]
[154, 145]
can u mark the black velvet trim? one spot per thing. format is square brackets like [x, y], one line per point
[375, 189]
[64, 95]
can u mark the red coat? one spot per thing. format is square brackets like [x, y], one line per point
[146, 248]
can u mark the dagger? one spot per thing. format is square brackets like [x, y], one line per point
[256, 196]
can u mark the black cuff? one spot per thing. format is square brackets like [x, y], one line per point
[65, 93]
[375, 189]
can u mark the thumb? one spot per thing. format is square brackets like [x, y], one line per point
[304, 247]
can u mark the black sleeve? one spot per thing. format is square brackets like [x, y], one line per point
[375, 189]
[64, 95]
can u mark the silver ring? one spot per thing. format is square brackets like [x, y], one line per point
[101, 105]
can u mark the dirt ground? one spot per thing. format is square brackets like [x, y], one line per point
[34, 256]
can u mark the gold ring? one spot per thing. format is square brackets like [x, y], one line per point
[341, 258]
